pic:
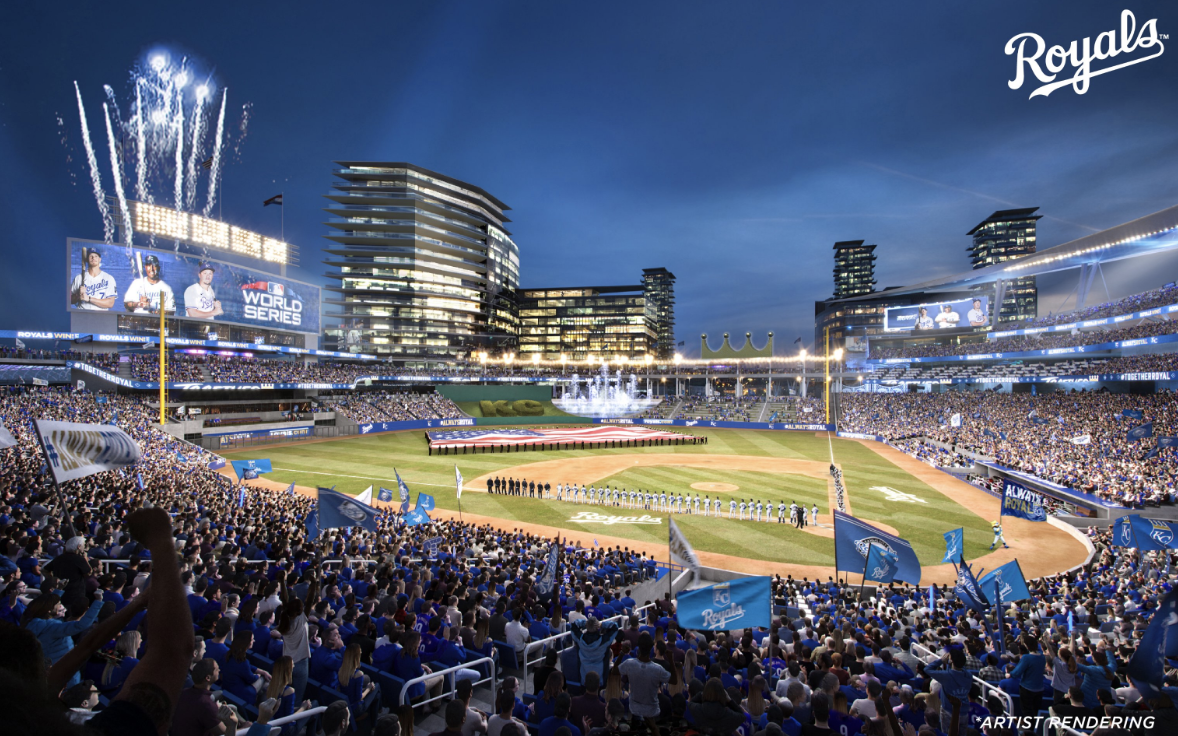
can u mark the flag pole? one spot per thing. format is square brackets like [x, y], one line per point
[863, 582]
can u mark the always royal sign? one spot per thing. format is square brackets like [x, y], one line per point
[592, 517]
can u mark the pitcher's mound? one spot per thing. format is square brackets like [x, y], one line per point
[715, 487]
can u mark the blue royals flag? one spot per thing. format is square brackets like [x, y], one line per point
[1133, 413]
[1147, 668]
[547, 579]
[384, 495]
[312, 524]
[290, 490]
[404, 492]
[257, 466]
[337, 510]
[1021, 502]
[737, 604]
[430, 547]
[425, 501]
[1014, 585]
[217, 463]
[415, 517]
[1167, 441]
[954, 544]
[881, 565]
[852, 543]
[1140, 432]
[1147, 535]
[968, 592]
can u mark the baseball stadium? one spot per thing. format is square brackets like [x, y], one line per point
[413, 492]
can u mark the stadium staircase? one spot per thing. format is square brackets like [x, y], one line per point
[125, 370]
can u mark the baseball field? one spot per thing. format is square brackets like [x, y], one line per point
[884, 487]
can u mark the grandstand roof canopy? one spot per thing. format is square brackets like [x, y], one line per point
[1146, 235]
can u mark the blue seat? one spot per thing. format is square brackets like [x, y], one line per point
[570, 666]
[507, 658]
[390, 685]
[257, 660]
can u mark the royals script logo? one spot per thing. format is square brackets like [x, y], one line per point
[1031, 54]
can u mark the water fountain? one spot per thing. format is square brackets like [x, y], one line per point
[602, 395]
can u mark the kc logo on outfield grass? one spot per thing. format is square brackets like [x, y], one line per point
[899, 496]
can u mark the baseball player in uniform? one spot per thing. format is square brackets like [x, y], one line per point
[716, 508]
[781, 512]
[814, 515]
[731, 509]
[149, 291]
[200, 300]
[998, 536]
[95, 289]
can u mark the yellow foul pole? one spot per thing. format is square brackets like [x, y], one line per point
[828, 375]
[163, 365]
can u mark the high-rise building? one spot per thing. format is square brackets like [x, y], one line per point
[423, 267]
[854, 269]
[658, 284]
[1004, 235]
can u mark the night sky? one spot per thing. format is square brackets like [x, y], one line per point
[732, 143]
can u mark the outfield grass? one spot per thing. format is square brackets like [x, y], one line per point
[353, 464]
[472, 408]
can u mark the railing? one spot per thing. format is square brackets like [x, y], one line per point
[277, 722]
[493, 678]
[987, 687]
[543, 644]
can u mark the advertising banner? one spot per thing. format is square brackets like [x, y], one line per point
[108, 278]
[947, 315]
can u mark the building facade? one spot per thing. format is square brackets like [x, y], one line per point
[658, 285]
[854, 269]
[1002, 236]
[422, 266]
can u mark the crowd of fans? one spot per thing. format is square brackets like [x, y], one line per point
[1077, 439]
[1162, 297]
[389, 406]
[147, 368]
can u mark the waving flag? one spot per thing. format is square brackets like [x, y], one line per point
[852, 542]
[6, 439]
[954, 544]
[1153, 535]
[1167, 441]
[312, 524]
[337, 510]
[425, 501]
[366, 496]
[1083, 439]
[290, 490]
[1140, 432]
[74, 450]
[1134, 413]
[430, 547]
[458, 480]
[258, 467]
[1014, 585]
[1148, 666]
[415, 517]
[881, 565]
[967, 590]
[955, 420]
[682, 552]
[1123, 532]
[547, 581]
[737, 604]
[216, 463]
[384, 495]
[404, 491]
[1021, 502]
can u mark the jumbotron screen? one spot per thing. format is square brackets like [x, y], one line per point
[952, 314]
[109, 278]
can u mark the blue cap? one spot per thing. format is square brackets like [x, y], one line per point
[206, 266]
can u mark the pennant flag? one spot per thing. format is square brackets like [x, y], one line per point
[881, 565]
[547, 581]
[404, 489]
[313, 525]
[257, 466]
[337, 510]
[682, 552]
[967, 590]
[955, 420]
[384, 495]
[1014, 585]
[737, 604]
[216, 463]
[1148, 665]
[430, 547]
[366, 496]
[415, 517]
[6, 438]
[458, 480]
[1021, 502]
[77, 450]
[1083, 439]
[290, 490]
[954, 544]
[1140, 432]
[276, 199]
[852, 541]
[1134, 413]
[425, 501]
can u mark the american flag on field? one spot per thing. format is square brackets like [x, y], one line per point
[500, 437]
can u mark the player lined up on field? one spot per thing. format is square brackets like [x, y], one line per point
[740, 509]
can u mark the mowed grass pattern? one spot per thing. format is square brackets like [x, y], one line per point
[352, 464]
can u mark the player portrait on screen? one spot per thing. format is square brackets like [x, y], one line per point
[947, 319]
[976, 316]
[149, 290]
[924, 322]
[200, 300]
[93, 289]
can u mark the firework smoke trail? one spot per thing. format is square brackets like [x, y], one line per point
[114, 106]
[116, 167]
[215, 172]
[108, 225]
[197, 134]
[141, 192]
[179, 127]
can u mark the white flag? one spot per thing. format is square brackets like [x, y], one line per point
[74, 450]
[40, 382]
[20, 344]
[6, 438]
[681, 551]
[81, 385]
[366, 496]
[458, 480]
[955, 420]
[1083, 439]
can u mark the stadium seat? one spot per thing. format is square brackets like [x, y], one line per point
[507, 655]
